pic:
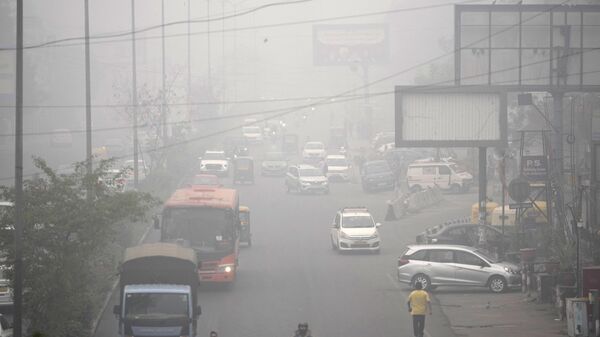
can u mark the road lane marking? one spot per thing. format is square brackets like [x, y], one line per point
[397, 286]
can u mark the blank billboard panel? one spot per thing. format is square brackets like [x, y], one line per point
[449, 119]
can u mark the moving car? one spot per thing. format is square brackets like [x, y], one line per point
[354, 229]
[314, 151]
[338, 168]
[377, 175]
[274, 164]
[453, 265]
[306, 178]
[253, 134]
[214, 162]
[444, 175]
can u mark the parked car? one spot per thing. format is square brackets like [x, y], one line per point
[338, 168]
[453, 265]
[306, 178]
[314, 151]
[214, 162]
[444, 175]
[274, 164]
[354, 229]
[377, 175]
[467, 234]
[383, 138]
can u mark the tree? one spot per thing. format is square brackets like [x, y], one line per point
[65, 245]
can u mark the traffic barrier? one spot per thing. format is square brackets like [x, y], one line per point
[414, 202]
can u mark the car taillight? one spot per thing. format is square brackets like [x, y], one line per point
[402, 262]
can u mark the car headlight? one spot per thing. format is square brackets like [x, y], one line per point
[344, 235]
[225, 166]
[225, 268]
[510, 270]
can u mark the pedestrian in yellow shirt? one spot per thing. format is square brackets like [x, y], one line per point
[418, 305]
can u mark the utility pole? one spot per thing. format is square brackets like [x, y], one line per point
[208, 43]
[88, 100]
[134, 98]
[163, 100]
[18, 286]
[189, 55]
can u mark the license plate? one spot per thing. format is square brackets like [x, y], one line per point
[360, 242]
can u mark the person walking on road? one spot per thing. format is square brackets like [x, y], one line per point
[419, 304]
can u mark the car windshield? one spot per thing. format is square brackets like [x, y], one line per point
[336, 162]
[214, 156]
[486, 255]
[377, 168]
[314, 146]
[251, 129]
[358, 221]
[156, 305]
[274, 156]
[457, 168]
[310, 172]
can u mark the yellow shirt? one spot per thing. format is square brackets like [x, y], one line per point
[418, 300]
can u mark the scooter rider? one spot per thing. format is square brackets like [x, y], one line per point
[302, 331]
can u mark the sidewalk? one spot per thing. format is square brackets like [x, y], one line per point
[479, 313]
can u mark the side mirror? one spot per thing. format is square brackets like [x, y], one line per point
[378, 224]
[156, 222]
[198, 310]
[117, 310]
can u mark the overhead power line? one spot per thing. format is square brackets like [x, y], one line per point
[62, 42]
[346, 92]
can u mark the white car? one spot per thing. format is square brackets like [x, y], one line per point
[214, 162]
[253, 134]
[338, 168]
[314, 151]
[354, 229]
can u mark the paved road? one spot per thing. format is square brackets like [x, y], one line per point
[291, 274]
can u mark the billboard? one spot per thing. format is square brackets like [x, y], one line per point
[350, 43]
[450, 117]
[544, 46]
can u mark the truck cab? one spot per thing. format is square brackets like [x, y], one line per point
[158, 295]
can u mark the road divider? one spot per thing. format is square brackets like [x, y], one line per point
[412, 203]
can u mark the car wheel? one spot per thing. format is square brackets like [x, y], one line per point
[424, 279]
[455, 188]
[497, 284]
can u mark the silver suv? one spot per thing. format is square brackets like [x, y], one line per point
[306, 178]
[453, 265]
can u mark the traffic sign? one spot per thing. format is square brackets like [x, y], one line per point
[519, 189]
[520, 205]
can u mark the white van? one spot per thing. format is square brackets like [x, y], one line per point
[445, 175]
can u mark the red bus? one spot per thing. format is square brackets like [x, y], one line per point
[207, 220]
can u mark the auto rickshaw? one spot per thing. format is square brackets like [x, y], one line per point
[290, 144]
[245, 235]
[243, 170]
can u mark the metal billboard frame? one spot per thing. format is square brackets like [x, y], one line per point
[559, 54]
[503, 119]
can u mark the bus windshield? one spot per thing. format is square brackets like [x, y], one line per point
[207, 229]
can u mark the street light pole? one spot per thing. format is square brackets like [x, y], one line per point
[163, 98]
[134, 97]
[18, 281]
[88, 99]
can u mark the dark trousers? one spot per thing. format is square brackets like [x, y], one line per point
[418, 325]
